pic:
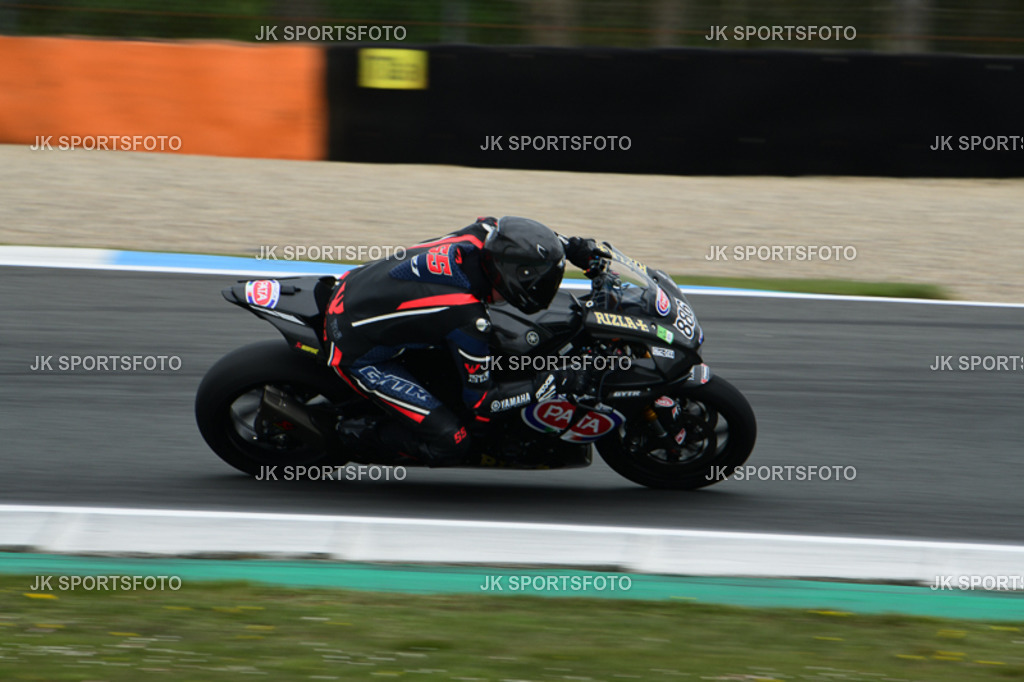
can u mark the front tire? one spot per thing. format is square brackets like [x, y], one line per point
[720, 431]
[230, 393]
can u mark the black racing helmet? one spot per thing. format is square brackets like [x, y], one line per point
[525, 262]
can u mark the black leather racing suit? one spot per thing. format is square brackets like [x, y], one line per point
[435, 296]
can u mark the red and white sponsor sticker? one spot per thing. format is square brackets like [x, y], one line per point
[557, 415]
[664, 306]
[549, 415]
[593, 426]
[263, 292]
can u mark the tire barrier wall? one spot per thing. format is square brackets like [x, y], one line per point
[687, 111]
[669, 111]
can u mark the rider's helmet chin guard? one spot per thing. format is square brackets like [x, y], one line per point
[525, 261]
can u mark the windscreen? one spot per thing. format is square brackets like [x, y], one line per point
[625, 286]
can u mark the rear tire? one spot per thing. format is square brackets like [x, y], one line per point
[716, 400]
[225, 399]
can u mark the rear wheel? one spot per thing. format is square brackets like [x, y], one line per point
[702, 442]
[228, 406]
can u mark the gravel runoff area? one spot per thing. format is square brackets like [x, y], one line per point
[965, 235]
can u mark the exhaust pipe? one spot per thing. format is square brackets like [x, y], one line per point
[278, 409]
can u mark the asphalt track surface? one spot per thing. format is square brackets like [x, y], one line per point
[937, 453]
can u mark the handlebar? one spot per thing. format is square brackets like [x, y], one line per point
[606, 288]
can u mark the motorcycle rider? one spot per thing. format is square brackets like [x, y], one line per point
[436, 295]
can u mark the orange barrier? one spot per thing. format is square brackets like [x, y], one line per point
[223, 99]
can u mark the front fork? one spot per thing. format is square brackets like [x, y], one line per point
[665, 420]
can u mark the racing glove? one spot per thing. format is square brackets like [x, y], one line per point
[582, 252]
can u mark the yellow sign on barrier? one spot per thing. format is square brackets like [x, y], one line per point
[393, 69]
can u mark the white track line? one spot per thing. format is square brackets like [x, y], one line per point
[159, 532]
[102, 259]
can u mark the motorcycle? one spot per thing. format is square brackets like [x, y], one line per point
[654, 411]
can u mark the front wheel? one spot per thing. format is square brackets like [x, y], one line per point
[706, 434]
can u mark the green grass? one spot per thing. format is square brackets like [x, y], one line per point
[230, 631]
[840, 287]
